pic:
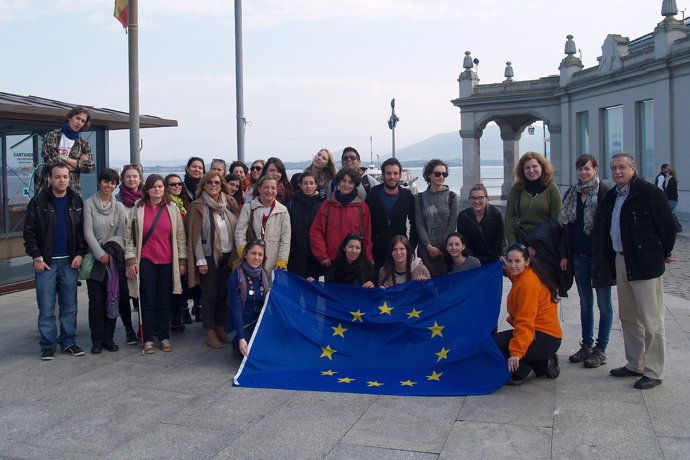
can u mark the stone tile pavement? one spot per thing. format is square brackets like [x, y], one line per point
[181, 404]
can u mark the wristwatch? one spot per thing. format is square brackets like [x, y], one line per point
[38, 259]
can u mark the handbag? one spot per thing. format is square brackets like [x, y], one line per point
[86, 266]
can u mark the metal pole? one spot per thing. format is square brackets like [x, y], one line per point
[133, 48]
[393, 142]
[239, 91]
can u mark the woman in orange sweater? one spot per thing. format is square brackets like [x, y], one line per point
[532, 345]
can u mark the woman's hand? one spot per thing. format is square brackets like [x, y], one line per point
[513, 363]
[310, 279]
[104, 259]
[564, 264]
[203, 269]
[326, 262]
[183, 269]
[421, 278]
[132, 271]
[368, 285]
[433, 250]
[243, 347]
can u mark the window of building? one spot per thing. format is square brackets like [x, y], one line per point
[613, 135]
[645, 129]
[582, 121]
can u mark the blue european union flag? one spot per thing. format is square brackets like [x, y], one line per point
[419, 338]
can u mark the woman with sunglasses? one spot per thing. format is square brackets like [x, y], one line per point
[400, 265]
[180, 313]
[254, 175]
[577, 217]
[436, 213]
[351, 265]
[303, 209]
[340, 215]
[267, 219]
[211, 227]
[156, 255]
[482, 226]
[247, 288]
[131, 191]
[455, 257]
[531, 345]
[533, 199]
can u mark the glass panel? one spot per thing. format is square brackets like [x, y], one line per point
[646, 130]
[20, 168]
[613, 135]
[582, 133]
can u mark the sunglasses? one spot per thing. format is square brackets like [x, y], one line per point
[350, 158]
[439, 174]
[257, 168]
[213, 182]
[174, 184]
[258, 241]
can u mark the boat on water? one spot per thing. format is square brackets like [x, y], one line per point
[407, 180]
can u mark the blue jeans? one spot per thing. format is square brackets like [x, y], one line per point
[582, 266]
[60, 282]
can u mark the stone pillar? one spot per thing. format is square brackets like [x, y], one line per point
[511, 154]
[471, 158]
[557, 156]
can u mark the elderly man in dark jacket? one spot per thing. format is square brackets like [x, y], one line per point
[632, 240]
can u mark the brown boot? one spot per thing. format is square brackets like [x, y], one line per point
[222, 335]
[212, 340]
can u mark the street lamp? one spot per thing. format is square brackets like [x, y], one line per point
[392, 122]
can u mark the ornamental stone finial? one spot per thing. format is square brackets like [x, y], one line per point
[467, 62]
[669, 8]
[509, 72]
[570, 47]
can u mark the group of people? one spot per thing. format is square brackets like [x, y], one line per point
[215, 236]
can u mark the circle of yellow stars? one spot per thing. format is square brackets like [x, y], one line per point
[385, 309]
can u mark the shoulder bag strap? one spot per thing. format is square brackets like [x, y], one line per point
[153, 225]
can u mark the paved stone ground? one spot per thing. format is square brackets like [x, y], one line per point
[181, 404]
[677, 276]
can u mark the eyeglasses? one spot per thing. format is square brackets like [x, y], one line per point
[257, 168]
[218, 160]
[477, 198]
[350, 158]
[439, 174]
[258, 241]
[175, 184]
[213, 182]
[519, 246]
[136, 166]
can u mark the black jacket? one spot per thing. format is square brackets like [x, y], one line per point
[39, 226]
[302, 211]
[486, 239]
[647, 232]
[383, 229]
[671, 189]
[566, 246]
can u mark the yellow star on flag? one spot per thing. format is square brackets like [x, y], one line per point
[357, 316]
[413, 314]
[374, 383]
[327, 351]
[345, 380]
[443, 354]
[328, 372]
[385, 309]
[339, 330]
[408, 383]
[436, 330]
[434, 376]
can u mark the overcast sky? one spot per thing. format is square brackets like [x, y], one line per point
[318, 73]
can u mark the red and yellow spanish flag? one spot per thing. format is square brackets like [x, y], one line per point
[121, 12]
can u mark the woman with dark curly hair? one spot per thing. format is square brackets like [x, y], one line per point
[351, 265]
[436, 212]
[534, 198]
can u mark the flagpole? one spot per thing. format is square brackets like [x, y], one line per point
[239, 91]
[133, 48]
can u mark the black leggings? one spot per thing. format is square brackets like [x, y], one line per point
[540, 350]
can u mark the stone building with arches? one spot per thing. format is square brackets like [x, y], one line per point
[636, 100]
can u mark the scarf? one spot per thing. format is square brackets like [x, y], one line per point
[219, 207]
[178, 202]
[130, 197]
[569, 208]
[534, 187]
[106, 210]
[191, 185]
[245, 271]
[69, 132]
[345, 198]
[344, 272]
[113, 290]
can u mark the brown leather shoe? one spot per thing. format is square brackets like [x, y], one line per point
[148, 348]
[166, 345]
[212, 340]
[222, 335]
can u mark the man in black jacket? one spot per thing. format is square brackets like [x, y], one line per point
[54, 238]
[391, 206]
[632, 240]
